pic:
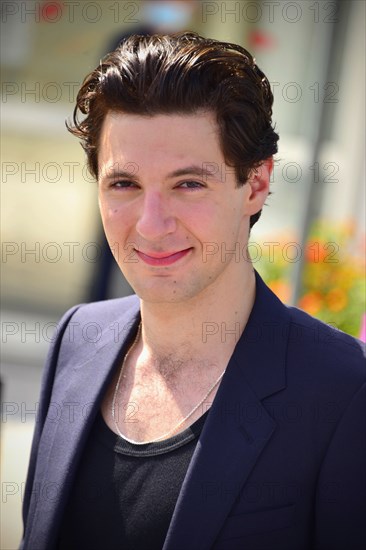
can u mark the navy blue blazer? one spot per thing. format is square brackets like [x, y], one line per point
[281, 461]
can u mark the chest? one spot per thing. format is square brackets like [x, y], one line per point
[147, 407]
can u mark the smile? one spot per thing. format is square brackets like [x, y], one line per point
[162, 258]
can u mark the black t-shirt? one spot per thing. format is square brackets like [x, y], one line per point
[124, 494]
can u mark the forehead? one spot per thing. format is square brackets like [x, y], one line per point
[159, 139]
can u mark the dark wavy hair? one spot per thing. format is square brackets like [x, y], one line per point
[182, 73]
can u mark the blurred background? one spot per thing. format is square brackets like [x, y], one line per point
[309, 244]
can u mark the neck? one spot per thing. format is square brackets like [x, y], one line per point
[207, 327]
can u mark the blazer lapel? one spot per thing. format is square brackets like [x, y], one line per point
[237, 428]
[73, 408]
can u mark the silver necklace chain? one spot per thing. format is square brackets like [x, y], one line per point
[166, 434]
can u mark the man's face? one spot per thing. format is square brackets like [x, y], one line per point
[176, 232]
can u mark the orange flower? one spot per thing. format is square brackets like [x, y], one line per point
[336, 299]
[316, 251]
[281, 289]
[311, 302]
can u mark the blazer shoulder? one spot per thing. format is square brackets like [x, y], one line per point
[106, 310]
[328, 346]
[92, 325]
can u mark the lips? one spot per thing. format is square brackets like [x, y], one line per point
[162, 258]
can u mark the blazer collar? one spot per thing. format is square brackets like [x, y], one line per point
[263, 345]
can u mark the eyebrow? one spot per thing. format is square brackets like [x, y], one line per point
[193, 170]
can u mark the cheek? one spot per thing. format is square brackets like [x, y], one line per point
[110, 212]
[203, 214]
[114, 218]
[209, 223]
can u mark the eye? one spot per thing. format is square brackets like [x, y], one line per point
[124, 184]
[191, 185]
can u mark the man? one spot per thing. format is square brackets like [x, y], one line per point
[203, 413]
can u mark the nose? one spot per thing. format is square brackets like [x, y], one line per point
[155, 218]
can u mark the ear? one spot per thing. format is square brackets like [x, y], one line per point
[258, 187]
